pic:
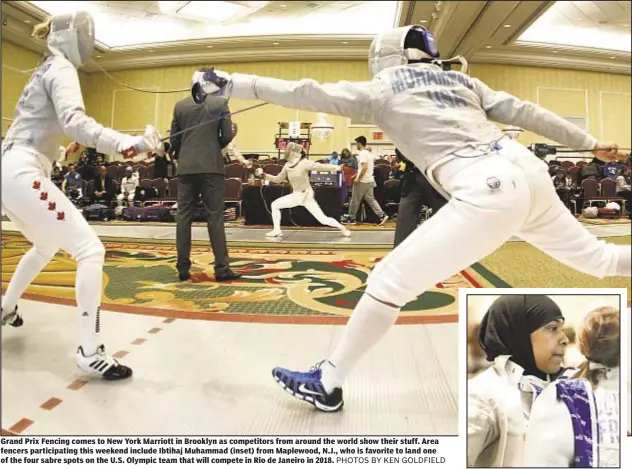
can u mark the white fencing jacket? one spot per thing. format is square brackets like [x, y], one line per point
[299, 174]
[429, 114]
[51, 105]
[499, 403]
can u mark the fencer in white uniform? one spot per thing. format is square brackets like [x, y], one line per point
[442, 121]
[296, 171]
[51, 106]
[129, 183]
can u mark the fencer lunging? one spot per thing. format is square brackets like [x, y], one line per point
[296, 170]
[50, 106]
[442, 121]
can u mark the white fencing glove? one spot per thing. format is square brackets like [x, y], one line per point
[258, 172]
[131, 146]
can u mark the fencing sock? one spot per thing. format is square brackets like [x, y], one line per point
[28, 268]
[369, 322]
[88, 290]
[276, 219]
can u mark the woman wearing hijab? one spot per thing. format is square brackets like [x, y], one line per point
[581, 415]
[523, 336]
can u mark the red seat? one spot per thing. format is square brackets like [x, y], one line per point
[146, 183]
[112, 171]
[573, 173]
[236, 170]
[161, 186]
[608, 187]
[273, 169]
[233, 190]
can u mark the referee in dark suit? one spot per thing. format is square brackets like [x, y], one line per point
[201, 173]
[415, 192]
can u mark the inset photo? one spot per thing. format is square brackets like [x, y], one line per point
[543, 386]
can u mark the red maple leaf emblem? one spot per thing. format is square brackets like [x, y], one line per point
[37, 185]
[61, 216]
[51, 206]
[44, 196]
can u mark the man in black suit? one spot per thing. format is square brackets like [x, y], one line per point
[415, 192]
[104, 187]
[201, 172]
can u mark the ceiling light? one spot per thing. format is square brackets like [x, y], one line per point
[27, 21]
[213, 11]
[574, 34]
[210, 47]
[283, 5]
[613, 58]
[555, 52]
[423, 21]
[99, 56]
[345, 42]
[507, 26]
[488, 47]
[275, 43]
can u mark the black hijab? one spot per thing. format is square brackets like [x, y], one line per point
[507, 326]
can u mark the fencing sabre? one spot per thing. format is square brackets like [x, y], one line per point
[220, 82]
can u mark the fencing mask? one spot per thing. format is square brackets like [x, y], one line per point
[398, 46]
[72, 35]
[205, 82]
[293, 153]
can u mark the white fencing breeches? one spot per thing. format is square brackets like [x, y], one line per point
[51, 222]
[121, 197]
[492, 199]
[307, 200]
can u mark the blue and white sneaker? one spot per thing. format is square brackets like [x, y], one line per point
[308, 387]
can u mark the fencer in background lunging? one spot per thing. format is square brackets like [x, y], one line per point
[296, 171]
[443, 122]
[51, 105]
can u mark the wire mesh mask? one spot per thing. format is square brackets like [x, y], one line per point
[72, 35]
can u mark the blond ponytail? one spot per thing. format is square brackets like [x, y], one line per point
[42, 30]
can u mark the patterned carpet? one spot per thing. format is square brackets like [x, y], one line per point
[523, 266]
[281, 284]
[291, 283]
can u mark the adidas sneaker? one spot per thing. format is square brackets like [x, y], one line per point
[101, 364]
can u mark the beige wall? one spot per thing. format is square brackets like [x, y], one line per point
[604, 99]
[13, 82]
[126, 110]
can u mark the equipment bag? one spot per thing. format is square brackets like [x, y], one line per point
[98, 212]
